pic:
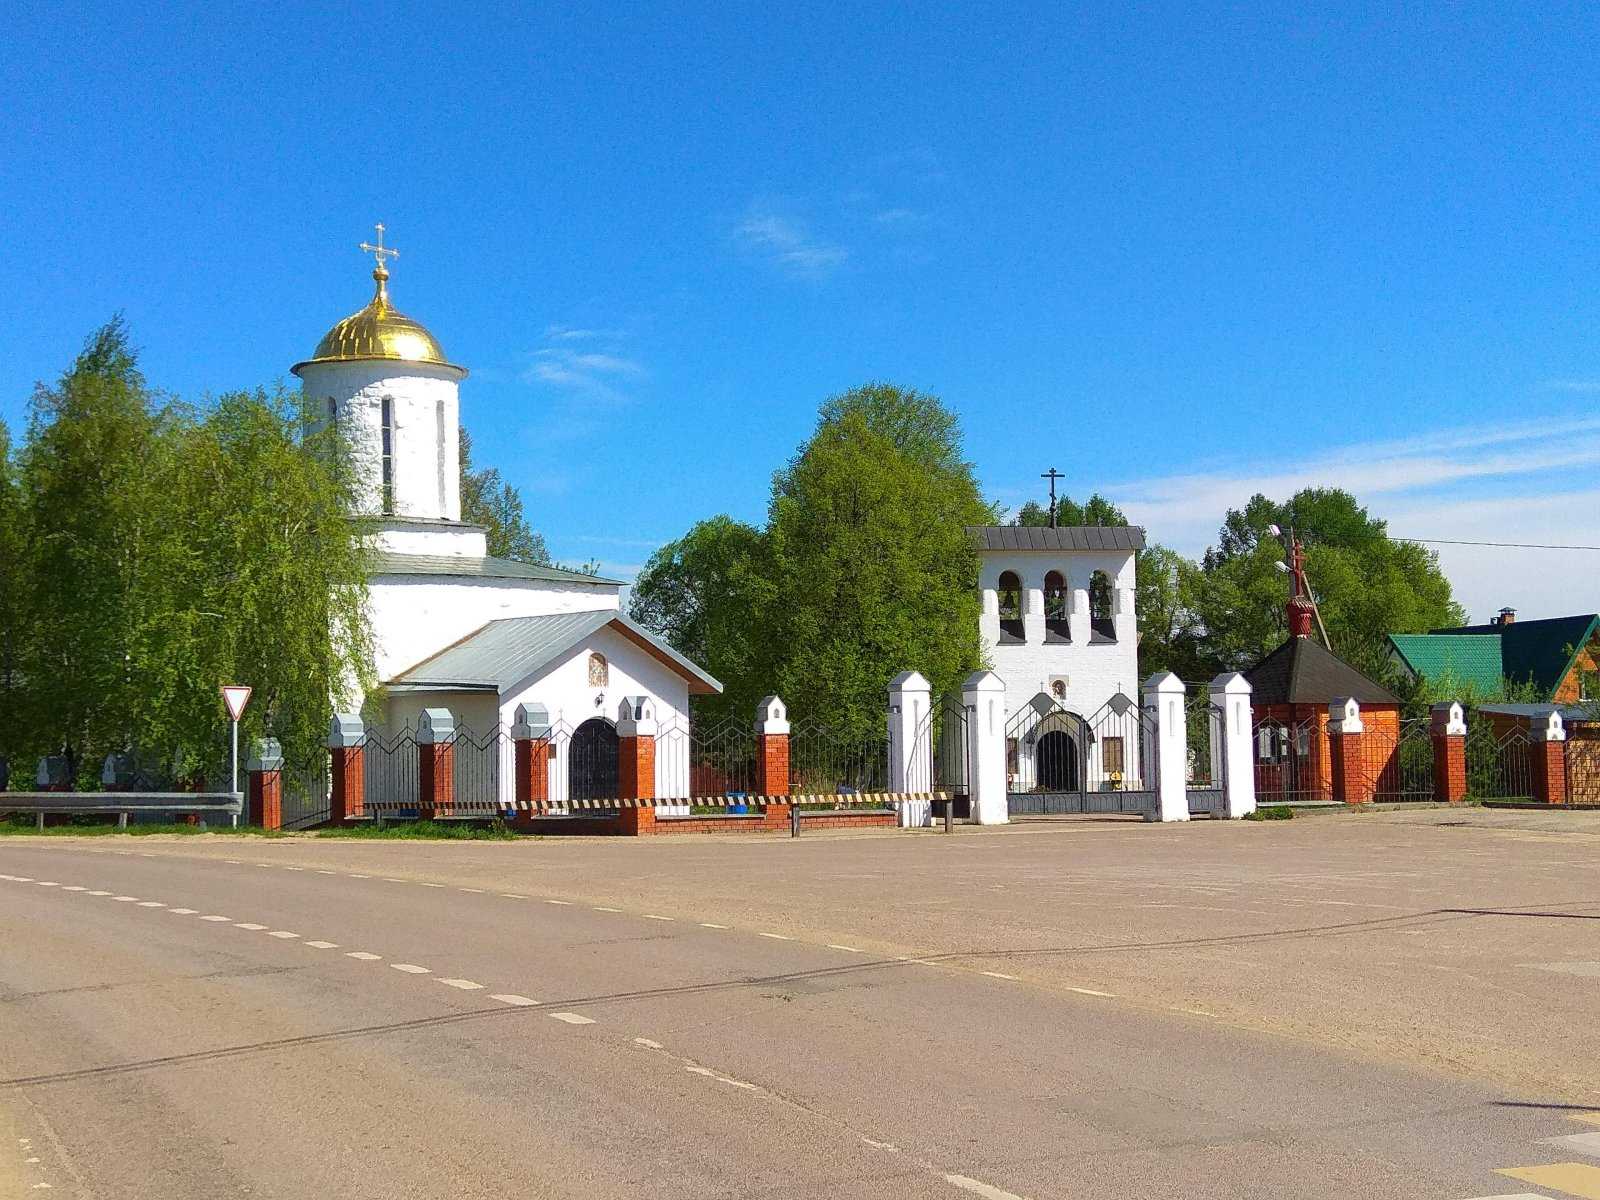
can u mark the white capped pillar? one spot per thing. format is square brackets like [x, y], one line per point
[1164, 702]
[911, 744]
[1231, 743]
[984, 696]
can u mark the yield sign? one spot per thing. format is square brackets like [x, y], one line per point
[235, 696]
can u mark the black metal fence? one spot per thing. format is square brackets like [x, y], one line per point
[1291, 759]
[1499, 763]
[1399, 763]
[828, 761]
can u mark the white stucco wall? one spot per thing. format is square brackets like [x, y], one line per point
[1094, 673]
[420, 537]
[426, 451]
[415, 616]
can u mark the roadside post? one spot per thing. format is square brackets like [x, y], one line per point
[235, 696]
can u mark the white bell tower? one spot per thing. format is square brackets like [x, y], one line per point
[386, 381]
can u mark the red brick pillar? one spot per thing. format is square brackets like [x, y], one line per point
[772, 759]
[1352, 782]
[1547, 758]
[347, 752]
[1449, 734]
[436, 764]
[265, 768]
[636, 763]
[530, 741]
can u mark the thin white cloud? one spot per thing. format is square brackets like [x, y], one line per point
[788, 244]
[595, 374]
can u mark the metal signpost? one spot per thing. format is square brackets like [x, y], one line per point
[235, 696]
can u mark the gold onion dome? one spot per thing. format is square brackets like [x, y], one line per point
[379, 331]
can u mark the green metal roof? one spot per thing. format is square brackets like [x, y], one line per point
[1469, 658]
[473, 567]
[503, 653]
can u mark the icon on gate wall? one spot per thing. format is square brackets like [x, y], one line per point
[599, 672]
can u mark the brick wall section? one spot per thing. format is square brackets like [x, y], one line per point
[772, 764]
[266, 799]
[1570, 689]
[636, 767]
[349, 784]
[1449, 767]
[1548, 764]
[437, 767]
[1350, 782]
[532, 763]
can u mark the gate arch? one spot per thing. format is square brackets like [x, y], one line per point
[592, 761]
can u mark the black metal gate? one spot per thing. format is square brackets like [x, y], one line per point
[946, 734]
[1057, 761]
[592, 761]
[1204, 762]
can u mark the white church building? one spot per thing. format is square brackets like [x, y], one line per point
[454, 627]
[1059, 628]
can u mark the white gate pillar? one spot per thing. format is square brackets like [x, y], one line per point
[1164, 702]
[984, 697]
[911, 745]
[1232, 744]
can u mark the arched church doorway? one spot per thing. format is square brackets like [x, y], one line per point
[592, 761]
[1057, 766]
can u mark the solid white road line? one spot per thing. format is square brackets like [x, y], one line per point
[1092, 992]
[411, 968]
[466, 985]
[513, 998]
[323, 945]
[572, 1018]
[363, 956]
[999, 975]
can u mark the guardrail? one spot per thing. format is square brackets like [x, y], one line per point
[43, 804]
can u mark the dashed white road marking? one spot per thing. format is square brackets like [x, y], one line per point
[47, 883]
[386, 879]
[363, 955]
[151, 904]
[846, 949]
[282, 933]
[466, 985]
[323, 945]
[320, 872]
[1092, 992]
[360, 876]
[432, 885]
[250, 925]
[474, 891]
[233, 862]
[696, 1069]
[183, 912]
[98, 893]
[657, 917]
[125, 899]
[711, 925]
[999, 975]
[294, 868]
[978, 1188]
[602, 908]
[216, 917]
[74, 888]
[1194, 1012]
[573, 1018]
[562, 903]
[511, 896]
[777, 937]
[514, 999]
[411, 968]
[648, 1043]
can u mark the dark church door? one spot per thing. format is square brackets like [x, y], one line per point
[592, 761]
[1058, 762]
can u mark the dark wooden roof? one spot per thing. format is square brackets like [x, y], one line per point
[1304, 671]
[1063, 537]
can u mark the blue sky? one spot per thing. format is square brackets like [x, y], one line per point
[1178, 256]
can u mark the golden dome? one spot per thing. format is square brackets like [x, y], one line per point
[378, 331]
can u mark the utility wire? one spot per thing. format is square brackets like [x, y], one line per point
[1501, 545]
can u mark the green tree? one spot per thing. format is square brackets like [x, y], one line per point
[707, 594]
[870, 566]
[488, 500]
[1367, 585]
[14, 551]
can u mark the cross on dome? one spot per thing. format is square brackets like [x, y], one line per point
[380, 251]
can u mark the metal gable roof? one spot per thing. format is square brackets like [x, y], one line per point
[1303, 671]
[1467, 657]
[1541, 651]
[505, 652]
[1062, 537]
[466, 566]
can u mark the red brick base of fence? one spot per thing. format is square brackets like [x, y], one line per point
[646, 822]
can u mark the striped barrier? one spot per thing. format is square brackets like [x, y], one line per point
[490, 808]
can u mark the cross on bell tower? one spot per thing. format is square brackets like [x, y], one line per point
[380, 252]
[1052, 475]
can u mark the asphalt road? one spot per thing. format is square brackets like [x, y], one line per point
[823, 1018]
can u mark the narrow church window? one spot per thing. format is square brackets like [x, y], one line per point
[438, 453]
[1056, 605]
[1011, 605]
[1100, 620]
[388, 455]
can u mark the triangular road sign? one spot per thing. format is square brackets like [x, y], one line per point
[235, 696]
